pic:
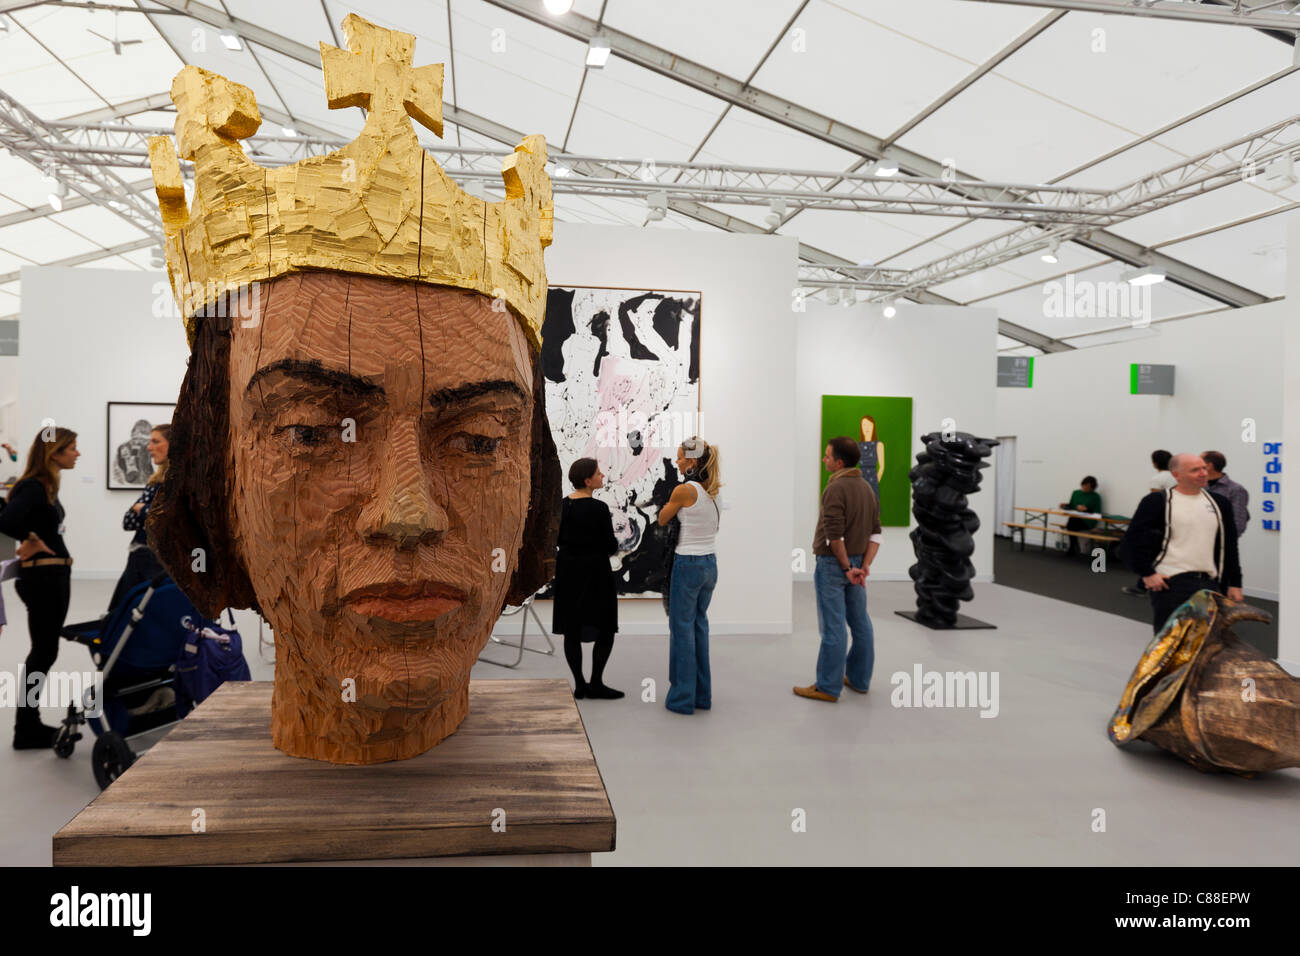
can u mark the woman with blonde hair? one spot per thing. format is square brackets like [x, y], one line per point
[34, 516]
[141, 563]
[694, 575]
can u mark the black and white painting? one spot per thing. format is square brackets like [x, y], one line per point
[129, 425]
[622, 372]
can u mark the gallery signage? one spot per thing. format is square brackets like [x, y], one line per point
[1272, 486]
[1015, 371]
[1150, 379]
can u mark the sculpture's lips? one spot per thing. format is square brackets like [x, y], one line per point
[419, 601]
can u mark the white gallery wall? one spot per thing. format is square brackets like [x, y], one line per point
[1288, 644]
[88, 337]
[1079, 418]
[943, 357]
[747, 396]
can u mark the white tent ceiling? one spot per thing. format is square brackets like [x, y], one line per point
[1053, 108]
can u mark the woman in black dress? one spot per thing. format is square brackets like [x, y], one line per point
[586, 597]
[34, 516]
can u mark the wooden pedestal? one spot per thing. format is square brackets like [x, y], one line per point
[521, 759]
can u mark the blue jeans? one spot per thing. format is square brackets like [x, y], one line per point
[694, 578]
[840, 603]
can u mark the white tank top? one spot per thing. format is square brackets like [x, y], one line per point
[699, 523]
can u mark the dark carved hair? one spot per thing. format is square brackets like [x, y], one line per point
[192, 507]
[1160, 458]
[1215, 460]
[580, 471]
[846, 450]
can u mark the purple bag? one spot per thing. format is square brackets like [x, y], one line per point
[210, 656]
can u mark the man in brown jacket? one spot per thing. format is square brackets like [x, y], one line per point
[845, 543]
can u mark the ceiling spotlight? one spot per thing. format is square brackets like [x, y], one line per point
[889, 311]
[231, 40]
[1050, 254]
[288, 131]
[597, 52]
[56, 197]
[886, 167]
[561, 170]
[775, 212]
[558, 8]
[656, 205]
[1147, 275]
[47, 171]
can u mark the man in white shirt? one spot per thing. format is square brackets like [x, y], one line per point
[1183, 540]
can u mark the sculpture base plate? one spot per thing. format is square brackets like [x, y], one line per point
[964, 623]
[517, 778]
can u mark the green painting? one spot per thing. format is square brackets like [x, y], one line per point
[882, 427]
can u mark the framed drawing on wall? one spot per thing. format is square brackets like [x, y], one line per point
[127, 441]
[622, 370]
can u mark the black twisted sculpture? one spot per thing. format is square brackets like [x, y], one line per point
[945, 473]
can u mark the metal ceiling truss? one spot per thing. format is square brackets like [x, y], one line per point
[792, 115]
[30, 138]
[1235, 13]
[1050, 213]
[918, 192]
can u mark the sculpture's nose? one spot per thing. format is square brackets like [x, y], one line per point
[404, 510]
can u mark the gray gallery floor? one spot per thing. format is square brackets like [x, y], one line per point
[878, 784]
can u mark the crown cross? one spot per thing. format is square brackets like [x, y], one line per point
[377, 75]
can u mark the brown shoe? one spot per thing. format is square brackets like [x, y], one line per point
[860, 690]
[812, 693]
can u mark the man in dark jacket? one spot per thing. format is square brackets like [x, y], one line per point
[1183, 540]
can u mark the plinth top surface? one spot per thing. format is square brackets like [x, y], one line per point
[520, 760]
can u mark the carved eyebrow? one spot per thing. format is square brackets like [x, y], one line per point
[313, 371]
[448, 397]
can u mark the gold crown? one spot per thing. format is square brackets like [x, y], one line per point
[379, 206]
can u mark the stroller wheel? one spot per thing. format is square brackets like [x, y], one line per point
[65, 742]
[110, 758]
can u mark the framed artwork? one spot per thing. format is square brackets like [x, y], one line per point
[129, 425]
[622, 370]
[882, 427]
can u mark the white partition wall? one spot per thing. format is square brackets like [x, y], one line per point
[91, 336]
[747, 395]
[88, 337]
[940, 356]
[1288, 644]
[1079, 418]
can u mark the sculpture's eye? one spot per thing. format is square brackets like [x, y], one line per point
[306, 436]
[474, 444]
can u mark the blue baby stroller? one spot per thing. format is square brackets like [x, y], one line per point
[135, 647]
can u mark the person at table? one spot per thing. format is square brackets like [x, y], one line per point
[1084, 499]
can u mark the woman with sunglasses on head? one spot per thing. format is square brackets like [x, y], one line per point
[694, 575]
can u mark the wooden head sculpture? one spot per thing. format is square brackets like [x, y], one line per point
[360, 448]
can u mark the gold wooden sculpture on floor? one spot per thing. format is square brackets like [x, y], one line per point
[1202, 693]
[360, 448]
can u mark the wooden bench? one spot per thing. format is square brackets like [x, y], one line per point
[1056, 529]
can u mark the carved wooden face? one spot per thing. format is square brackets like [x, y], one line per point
[380, 434]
